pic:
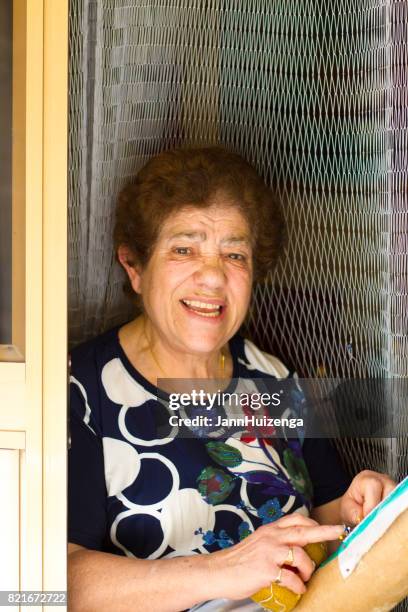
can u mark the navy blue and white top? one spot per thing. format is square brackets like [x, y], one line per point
[137, 489]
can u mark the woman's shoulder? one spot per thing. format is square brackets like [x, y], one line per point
[91, 355]
[87, 362]
[255, 359]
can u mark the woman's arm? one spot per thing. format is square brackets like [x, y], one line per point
[329, 514]
[103, 582]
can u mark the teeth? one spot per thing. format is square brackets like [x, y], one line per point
[214, 310]
[196, 304]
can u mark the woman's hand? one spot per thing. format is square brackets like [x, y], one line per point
[365, 492]
[243, 569]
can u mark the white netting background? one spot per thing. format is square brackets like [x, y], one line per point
[315, 95]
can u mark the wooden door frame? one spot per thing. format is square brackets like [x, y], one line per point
[33, 392]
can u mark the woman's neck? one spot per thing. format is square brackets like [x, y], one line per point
[155, 358]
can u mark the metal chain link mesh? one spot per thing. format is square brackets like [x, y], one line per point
[315, 95]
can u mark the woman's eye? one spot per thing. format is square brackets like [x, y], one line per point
[182, 250]
[237, 256]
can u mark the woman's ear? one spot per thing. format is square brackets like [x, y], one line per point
[126, 259]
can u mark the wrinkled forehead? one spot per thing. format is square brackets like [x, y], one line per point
[225, 223]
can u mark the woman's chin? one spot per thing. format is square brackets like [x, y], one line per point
[198, 343]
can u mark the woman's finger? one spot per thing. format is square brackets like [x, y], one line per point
[288, 579]
[376, 488]
[300, 536]
[295, 556]
[295, 518]
[352, 511]
[372, 494]
[388, 485]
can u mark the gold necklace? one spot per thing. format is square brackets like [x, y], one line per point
[222, 357]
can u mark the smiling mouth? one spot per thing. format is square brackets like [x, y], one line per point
[203, 309]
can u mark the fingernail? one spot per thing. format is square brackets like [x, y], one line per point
[356, 517]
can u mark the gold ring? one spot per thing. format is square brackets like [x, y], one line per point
[278, 577]
[290, 559]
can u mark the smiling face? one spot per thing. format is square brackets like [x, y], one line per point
[197, 284]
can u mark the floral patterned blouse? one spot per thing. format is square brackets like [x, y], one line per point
[137, 490]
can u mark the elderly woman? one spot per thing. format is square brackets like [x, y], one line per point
[193, 232]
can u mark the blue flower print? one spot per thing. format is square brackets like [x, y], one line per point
[224, 541]
[210, 537]
[244, 530]
[270, 511]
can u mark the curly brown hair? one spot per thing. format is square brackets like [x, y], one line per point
[194, 177]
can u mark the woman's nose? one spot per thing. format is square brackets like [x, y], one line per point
[211, 273]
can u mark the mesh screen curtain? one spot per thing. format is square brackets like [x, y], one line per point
[315, 95]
